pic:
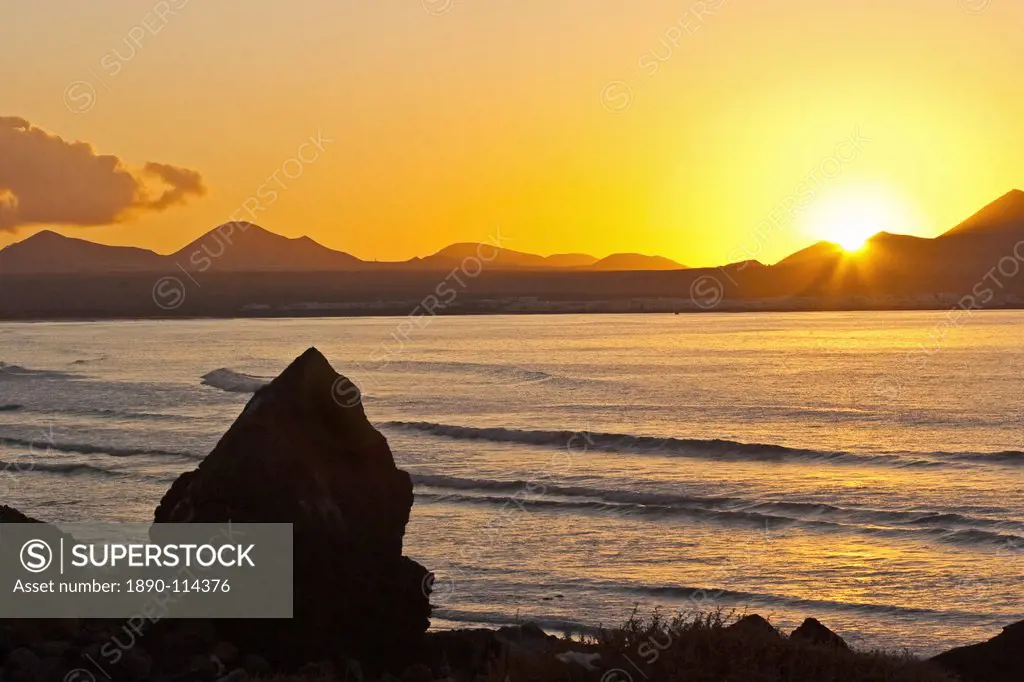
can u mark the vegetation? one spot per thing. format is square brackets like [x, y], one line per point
[705, 647]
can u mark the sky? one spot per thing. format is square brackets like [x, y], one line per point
[706, 132]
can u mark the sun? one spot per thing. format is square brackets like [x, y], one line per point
[852, 238]
[851, 218]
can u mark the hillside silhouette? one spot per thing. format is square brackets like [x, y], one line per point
[254, 272]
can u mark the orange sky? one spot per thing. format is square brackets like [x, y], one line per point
[595, 126]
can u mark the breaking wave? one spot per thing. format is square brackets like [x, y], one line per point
[1007, 457]
[234, 382]
[946, 527]
[41, 445]
[578, 442]
[70, 468]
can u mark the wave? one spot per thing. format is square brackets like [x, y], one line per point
[578, 442]
[706, 595]
[17, 372]
[500, 619]
[234, 382]
[70, 468]
[1007, 457]
[125, 414]
[40, 445]
[107, 413]
[507, 373]
[701, 599]
[947, 527]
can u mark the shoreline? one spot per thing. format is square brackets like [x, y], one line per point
[403, 313]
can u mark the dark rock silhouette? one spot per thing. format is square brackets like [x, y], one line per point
[1000, 659]
[303, 452]
[754, 626]
[811, 630]
[20, 632]
[12, 515]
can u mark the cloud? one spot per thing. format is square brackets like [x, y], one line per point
[182, 183]
[47, 180]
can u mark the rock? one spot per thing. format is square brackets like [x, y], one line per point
[417, 673]
[226, 652]
[1000, 659]
[754, 626]
[175, 642]
[51, 670]
[352, 670]
[461, 650]
[204, 667]
[303, 452]
[319, 669]
[588, 661]
[811, 630]
[135, 664]
[22, 664]
[6, 645]
[12, 515]
[51, 649]
[255, 665]
[527, 632]
[236, 675]
[33, 631]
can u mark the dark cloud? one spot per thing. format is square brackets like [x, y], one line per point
[181, 183]
[45, 179]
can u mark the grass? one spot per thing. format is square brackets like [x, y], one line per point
[703, 648]
[691, 648]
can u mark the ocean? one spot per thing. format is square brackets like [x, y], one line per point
[861, 468]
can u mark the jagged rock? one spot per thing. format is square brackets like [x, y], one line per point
[811, 630]
[236, 675]
[32, 631]
[255, 665]
[461, 650]
[52, 648]
[204, 666]
[417, 673]
[525, 633]
[316, 670]
[754, 625]
[1000, 659]
[303, 452]
[226, 652]
[135, 664]
[12, 515]
[22, 664]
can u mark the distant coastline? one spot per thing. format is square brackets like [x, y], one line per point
[584, 308]
[975, 266]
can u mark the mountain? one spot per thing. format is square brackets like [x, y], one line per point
[498, 257]
[570, 260]
[635, 261]
[245, 247]
[888, 265]
[503, 258]
[50, 253]
[815, 252]
[967, 263]
[252, 272]
[1003, 216]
